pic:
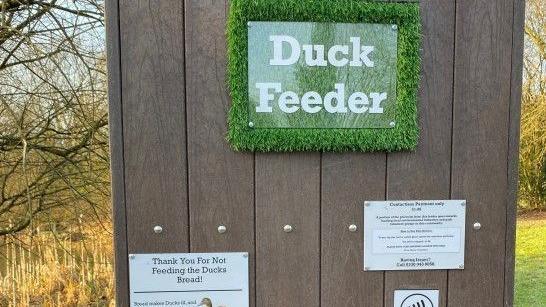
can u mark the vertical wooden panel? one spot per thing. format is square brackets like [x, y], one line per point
[287, 264]
[347, 181]
[115, 115]
[480, 146]
[152, 62]
[425, 174]
[513, 149]
[221, 181]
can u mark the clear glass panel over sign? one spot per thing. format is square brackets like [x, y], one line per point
[321, 75]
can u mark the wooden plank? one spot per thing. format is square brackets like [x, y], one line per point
[116, 152]
[288, 264]
[480, 146]
[221, 181]
[425, 173]
[347, 181]
[513, 149]
[152, 61]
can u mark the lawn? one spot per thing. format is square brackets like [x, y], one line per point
[531, 261]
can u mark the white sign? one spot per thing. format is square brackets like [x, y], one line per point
[416, 298]
[322, 75]
[414, 235]
[212, 279]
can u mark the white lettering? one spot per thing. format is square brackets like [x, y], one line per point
[332, 55]
[315, 54]
[266, 97]
[288, 102]
[319, 60]
[377, 98]
[361, 54]
[338, 95]
[278, 59]
[358, 103]
[311, 101]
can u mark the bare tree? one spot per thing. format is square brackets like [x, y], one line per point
[53, 112]
[533, 123]
[535, 47]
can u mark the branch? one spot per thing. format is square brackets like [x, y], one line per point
[537, 39]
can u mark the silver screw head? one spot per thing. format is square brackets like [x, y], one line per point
[132, 257]
[395, 27]
[461, 266]
[366, 268]
[353, 228]
[245, 255]
[222, 229]
[287, 228]
[251, 124]
[158, 229]
[392, 124]
[477, 226]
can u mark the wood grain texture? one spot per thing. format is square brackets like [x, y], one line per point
[221, 181]
[513, 148]
[287, 264]
[152, 61]
[425, 174]
[480, 146]
[347, 181]
[115, 115]
[176, 170]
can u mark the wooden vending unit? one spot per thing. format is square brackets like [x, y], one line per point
[172, 166]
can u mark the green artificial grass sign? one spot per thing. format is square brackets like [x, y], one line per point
[323, 75]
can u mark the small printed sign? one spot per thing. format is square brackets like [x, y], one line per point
[414, 235]
[416, 298]
[190, 279]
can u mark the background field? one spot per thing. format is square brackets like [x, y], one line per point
[531, 261]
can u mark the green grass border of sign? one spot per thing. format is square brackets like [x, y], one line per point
[404, 136]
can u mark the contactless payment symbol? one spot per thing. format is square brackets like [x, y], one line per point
[416, 298]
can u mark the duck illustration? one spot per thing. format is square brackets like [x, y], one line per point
[206, 302]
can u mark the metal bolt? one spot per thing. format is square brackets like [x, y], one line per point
[366, 268]
[353, 228]
[251, 124]
[392, 124]
[461, 266]
[245, 255]
[158, 229]
[248, 24]
[222, 229]
[394, 27]
[477, 226]
[288, 228]
[132, 257]
[463, 203]
[367, 203]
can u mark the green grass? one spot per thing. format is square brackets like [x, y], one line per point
[531, 263]
[403, 137]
